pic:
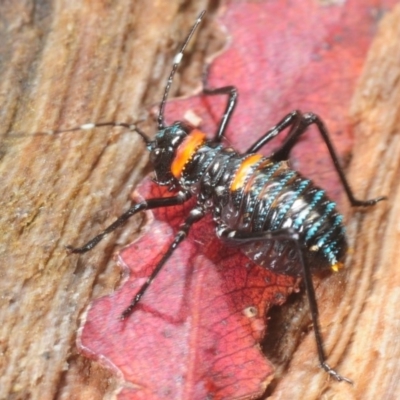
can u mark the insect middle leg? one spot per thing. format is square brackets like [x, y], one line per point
[240, 238]
[299, 123]
[149, 204]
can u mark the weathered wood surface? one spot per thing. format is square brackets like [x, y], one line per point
[64, 63]
[361, 318]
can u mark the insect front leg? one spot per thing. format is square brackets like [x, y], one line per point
[299, 123]
[232, 94]
[149, 204]
[239, 238]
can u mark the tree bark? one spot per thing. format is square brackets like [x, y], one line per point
[65, 63]
[362, 334]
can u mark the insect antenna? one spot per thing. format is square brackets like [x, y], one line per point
[132, 127]
[88, 126]
[177, 60]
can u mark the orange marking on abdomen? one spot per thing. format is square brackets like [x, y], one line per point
[186, 150]
[243, 171]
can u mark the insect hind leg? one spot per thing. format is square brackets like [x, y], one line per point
[240, 238]
[299, 123]
[196, 214]
[292, 120]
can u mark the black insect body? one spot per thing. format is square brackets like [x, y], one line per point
[279, 219]
[251, 196]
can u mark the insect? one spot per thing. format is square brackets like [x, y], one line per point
[277, 217]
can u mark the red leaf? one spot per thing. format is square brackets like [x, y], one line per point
[195, 334]
[285, 56]
[196, 331]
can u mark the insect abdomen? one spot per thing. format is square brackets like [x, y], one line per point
[274, 197]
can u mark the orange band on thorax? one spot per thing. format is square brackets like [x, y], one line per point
[186, 150]
[243, 171]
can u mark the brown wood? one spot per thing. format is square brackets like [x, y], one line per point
[66, 63]
[362, 334]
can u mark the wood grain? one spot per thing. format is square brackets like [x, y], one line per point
[362, 334]
[65, 63]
